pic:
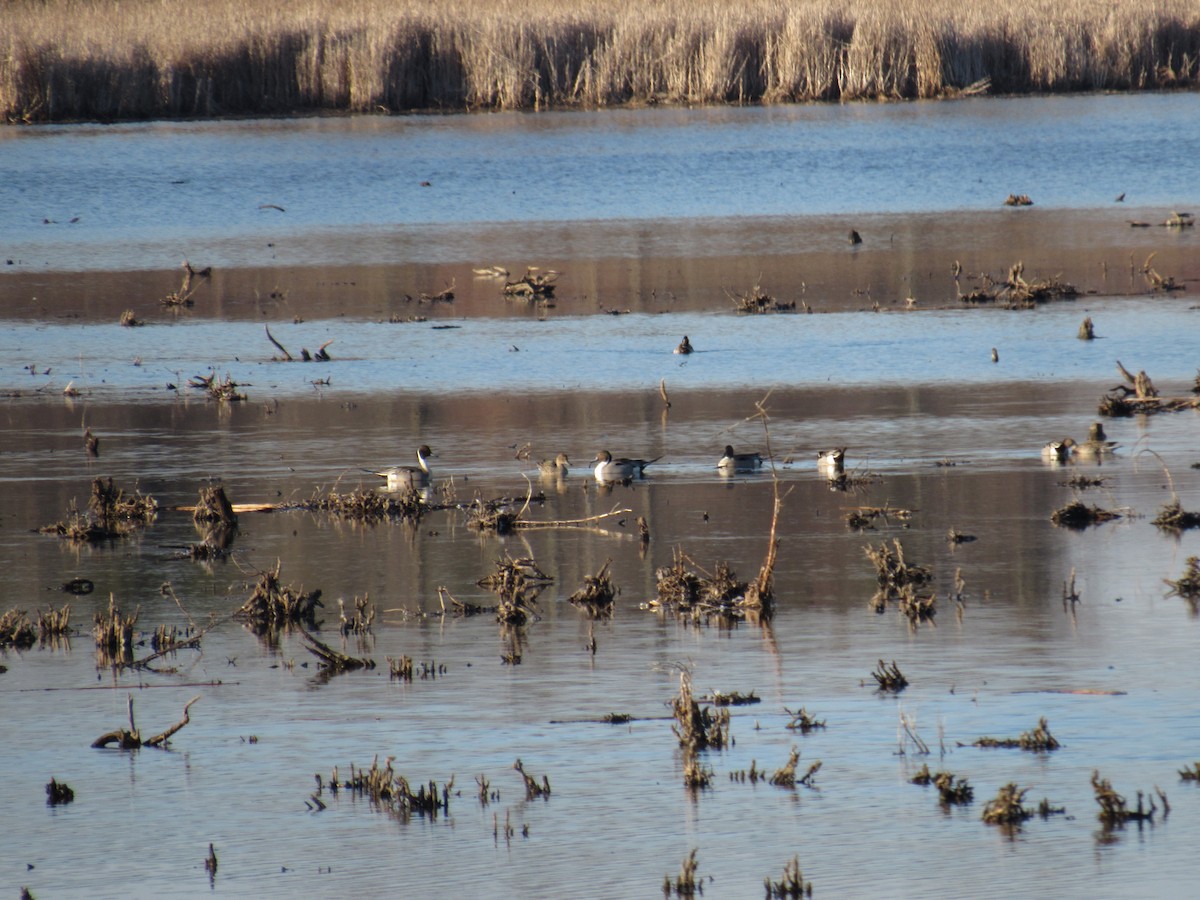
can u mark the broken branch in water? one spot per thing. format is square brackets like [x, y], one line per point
[282, 349]
[132, 739]
[333, 662]
[565, 523]
[322, 355]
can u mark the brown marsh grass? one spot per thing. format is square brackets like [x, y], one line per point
[92, 59]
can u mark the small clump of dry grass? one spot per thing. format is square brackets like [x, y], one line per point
[889, 677]
[392, 792]
[791, 886]
[690, 591]
[114, 634]
[1039, 740]
[1115, 811]
[1079, 515]
[1007, 807]
[696, 727]
[222, 390]
[1173, 517]
[1187, 585]
[757, 301]
[803, 721]
[597, 593]
[111, 514]
[685, 885]
[517, 582]
[367, 506]
[16, 630]
[952, 791]
[274, 606]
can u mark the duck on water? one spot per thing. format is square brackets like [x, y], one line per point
[621, 468]
[738, 462]
[400, 478]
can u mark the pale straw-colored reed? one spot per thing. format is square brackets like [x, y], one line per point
[119, 59]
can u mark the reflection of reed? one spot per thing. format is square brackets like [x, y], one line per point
[215, 57]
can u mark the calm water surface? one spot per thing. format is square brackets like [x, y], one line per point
[933, 427]
[416, 188]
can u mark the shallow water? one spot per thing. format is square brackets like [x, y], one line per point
[145, 195]
[932, 426]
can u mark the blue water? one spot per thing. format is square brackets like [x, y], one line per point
[615, 353]
[933, 426]
[146, 193]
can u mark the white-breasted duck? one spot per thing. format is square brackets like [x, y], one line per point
[621, 468]
[402, 477]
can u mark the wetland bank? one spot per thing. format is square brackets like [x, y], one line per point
[1030, 629]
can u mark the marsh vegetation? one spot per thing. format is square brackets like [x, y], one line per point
[85, 59]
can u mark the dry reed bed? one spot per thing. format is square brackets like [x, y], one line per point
[87, 59]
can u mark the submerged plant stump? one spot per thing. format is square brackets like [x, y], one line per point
[785, 775]
[1173, 517]
[1006, 807]
[1187, 585]
[1115, 812]
[685, 885]
[757, 301]
[953, 791]
[517, 582]
[533, 788]
[889, 678]
[1039, 740]
[59, 793]
[215, 389]
[214, 507]
[1078, 515]
[696, 727]
[389, 791]
[273, 607]
[791, 886]
[16, 630]
[111, 514]
[687, 590]
[802, 721]
[893, 572]
[366, 505]
[597, 594]
[114, 634]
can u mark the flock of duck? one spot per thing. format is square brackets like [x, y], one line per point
[609, 469]
[605, 467]
[1096, 446]
[831, 463]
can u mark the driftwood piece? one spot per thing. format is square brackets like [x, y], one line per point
[131, 739]
[278, 346]
[332, 661]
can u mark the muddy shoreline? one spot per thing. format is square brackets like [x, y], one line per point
[640, 266]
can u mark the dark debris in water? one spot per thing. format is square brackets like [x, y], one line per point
[1039, 740]
[111, 514]
[1079, 515]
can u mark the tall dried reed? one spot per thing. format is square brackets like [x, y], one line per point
[94, 59]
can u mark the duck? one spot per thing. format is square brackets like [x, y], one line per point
[685, 346]
[1058, 451]
[831, 462]
[555, 468]
[739, 462]
[402, 477]
[1097, 444]
[609, 469]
